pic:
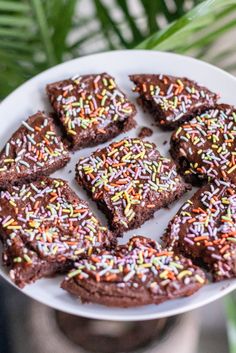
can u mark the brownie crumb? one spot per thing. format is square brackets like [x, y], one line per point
[165, 142]
[145, 132]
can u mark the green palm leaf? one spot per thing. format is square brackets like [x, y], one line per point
[199, 18]
[37, 34]
[230, 306]
[44, 31]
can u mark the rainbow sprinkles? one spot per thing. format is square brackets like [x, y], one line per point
[130, 180]
[205, 147]
[44, 227]
[35, 149]
[137, 273]
[91, 108]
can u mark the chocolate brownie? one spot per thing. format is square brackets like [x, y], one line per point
[34, 150]
[129, 180]
[138, 273]
[172, 100]
[204, 229]
[44, 226]
[91, 108]
[205, 147]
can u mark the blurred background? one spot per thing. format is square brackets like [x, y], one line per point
[38, 34]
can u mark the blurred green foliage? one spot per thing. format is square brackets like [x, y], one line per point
[230, 305]
[37, 34]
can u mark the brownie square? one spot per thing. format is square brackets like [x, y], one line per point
[137, 273]
[44, 227]
[204, 229]
[129, 180]
[205, 147]
[172, 100]
[35, 149]
[91, 108]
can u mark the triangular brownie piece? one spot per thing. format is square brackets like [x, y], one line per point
[204, 229]
[91, 108]
[205, 147]
[44, 227]
[35, 149]
[172, 100]
[137, 273]
[129, 180]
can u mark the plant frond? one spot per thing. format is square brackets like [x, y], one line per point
[36, 34]
[200, 17]
[230, 306]
[44, 30]
[14, 6]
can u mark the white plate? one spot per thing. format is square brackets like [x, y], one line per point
[31, 97]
